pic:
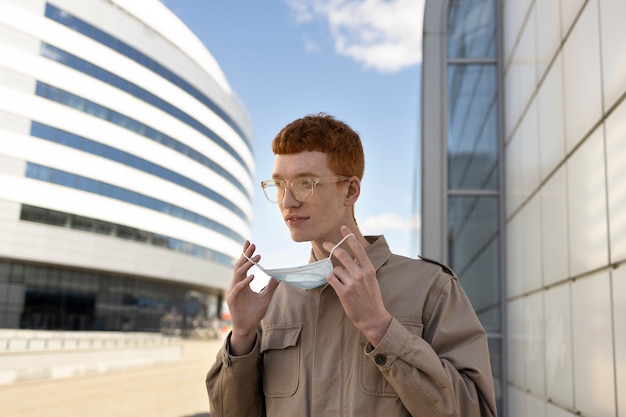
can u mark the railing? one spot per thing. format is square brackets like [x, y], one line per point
[32, 354]
[30, 340]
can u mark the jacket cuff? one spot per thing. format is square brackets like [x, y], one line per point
[229, 359]
[390, 346]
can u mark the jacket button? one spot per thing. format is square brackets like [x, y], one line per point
[380, 359]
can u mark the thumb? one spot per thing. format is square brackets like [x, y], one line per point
[271, 286]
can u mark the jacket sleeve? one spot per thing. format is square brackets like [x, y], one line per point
[446, 371]
[234, 384]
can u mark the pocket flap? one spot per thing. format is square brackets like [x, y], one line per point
[280, 337]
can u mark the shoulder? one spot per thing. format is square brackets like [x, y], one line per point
[419, 273]
[444, 268]
[422, 265]
[384, 261]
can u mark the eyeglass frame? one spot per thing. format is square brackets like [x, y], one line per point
[314, 180]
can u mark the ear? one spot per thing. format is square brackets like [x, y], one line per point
[353, 192]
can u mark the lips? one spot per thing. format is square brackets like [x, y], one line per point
[292, 219]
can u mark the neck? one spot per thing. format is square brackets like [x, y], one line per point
[320, 253]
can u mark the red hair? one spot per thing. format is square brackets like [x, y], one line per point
[323, 133]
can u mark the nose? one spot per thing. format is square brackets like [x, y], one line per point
[290, 200]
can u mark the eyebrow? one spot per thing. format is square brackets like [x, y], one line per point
[300, 175]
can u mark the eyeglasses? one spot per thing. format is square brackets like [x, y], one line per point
[301, 188]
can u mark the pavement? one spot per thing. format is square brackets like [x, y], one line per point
[167, 390]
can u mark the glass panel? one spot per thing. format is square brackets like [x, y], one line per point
[619, 312]
[35, 276]
[474, 253]
[5, 271]
[472, 29]
[82, 223]
[592, 338]
[582, 77]
[616, 172]
[473, 149]
[495, 356]
[587, 209]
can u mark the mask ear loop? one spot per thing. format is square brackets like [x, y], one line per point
[253, 263]
[337, 245]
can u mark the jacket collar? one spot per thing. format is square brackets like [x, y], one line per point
[378, 251]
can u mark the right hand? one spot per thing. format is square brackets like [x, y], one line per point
[246, 306]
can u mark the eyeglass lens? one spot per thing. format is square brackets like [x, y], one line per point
[302, 189]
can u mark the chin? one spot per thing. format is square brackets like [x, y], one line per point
[299, 236]
[296, 238]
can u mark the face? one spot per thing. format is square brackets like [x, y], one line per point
[318, 218]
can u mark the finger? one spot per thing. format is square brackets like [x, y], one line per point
[358, 251]
[237, 285]
[335, 281]
[345, 230]
[248, 251]
[354, 264]
[245, 282]
[271, 286]
[336, 275]
[340, 254]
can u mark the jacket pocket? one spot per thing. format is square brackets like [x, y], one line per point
[281, 360]
[371, 379]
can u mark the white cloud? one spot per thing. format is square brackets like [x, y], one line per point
[385, 35]
[311, 45]
[391, 222]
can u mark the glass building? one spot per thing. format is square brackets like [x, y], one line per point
[524, 190]
[126, 166]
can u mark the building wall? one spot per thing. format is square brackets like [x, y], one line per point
[565, 145]
[124, 153]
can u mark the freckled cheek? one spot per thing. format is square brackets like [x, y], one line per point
[326, 214]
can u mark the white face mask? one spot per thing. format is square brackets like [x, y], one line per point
[306, 276]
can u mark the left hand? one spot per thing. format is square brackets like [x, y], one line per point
[357, 288]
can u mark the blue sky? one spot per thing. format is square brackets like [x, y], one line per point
[357, 60]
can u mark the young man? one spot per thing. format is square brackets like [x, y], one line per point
[383, 335]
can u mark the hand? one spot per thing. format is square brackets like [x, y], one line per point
[357, 288]
[246, 306]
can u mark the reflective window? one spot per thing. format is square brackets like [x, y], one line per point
[67, 179]
[56, 218]
[72, 61]
[82, 223]
[78, 142]
[473, 149]
[472, 126]
[474, 244]
[52, 93]
[57, 298]
[472, 29]
[474, 250]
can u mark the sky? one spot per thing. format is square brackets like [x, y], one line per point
[358, 60]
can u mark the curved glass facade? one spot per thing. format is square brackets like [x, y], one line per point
[87, 145]
[123, 48]
[125, 180]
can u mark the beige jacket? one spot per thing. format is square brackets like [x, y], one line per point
[310, 360]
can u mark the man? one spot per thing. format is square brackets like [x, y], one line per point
[383, 335]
